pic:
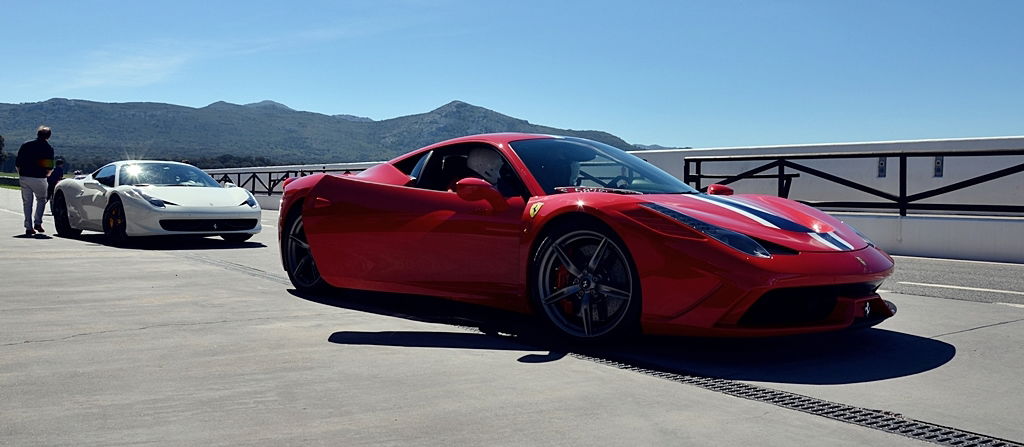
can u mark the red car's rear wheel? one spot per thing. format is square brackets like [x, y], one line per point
[585, 285]
[298, 259]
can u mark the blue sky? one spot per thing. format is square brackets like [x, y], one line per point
[674, 73]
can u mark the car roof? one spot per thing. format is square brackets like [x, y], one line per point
[495, 138]
[130, 162]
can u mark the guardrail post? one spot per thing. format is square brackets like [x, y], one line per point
[783, 191]
[686, 171]
[903, 185]
[697, 181]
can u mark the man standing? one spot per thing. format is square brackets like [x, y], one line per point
[34, 164]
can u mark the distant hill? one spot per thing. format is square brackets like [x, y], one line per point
[89, 133]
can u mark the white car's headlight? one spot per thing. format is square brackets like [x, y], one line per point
[135, 192]
[251, 201]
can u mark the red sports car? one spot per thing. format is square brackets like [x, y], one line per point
[590, 238]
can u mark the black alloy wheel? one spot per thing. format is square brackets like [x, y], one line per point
[585, 285]
[298, 259]
[59, 209]
[114, 223]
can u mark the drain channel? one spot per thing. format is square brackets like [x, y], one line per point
[877, 419]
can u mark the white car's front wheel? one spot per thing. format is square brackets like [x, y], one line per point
[114, 223]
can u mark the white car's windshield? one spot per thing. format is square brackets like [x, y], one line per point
[164, 174]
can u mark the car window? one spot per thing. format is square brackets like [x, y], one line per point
[421, 164]
[441, 168]
[105, 175]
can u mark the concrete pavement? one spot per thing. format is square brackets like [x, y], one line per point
[202, 342]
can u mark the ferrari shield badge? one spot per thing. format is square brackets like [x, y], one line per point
[535, 209]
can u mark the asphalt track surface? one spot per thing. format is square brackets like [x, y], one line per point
[985, 282]
[173, 342]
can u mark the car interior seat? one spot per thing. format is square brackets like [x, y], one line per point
[453, 169]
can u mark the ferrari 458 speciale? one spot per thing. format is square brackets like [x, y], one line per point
[149, 198]
[593, 240]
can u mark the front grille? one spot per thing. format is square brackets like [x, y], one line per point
[207, 225]
[798, 306]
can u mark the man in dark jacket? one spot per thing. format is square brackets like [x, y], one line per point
[34, 164]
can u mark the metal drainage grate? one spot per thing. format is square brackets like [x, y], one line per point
[879, 420]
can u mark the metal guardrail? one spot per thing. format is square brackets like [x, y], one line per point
[268, 182]
[903, 201]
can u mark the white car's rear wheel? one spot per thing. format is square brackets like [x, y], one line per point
[59, 209]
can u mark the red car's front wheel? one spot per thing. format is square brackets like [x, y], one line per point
[584, 284]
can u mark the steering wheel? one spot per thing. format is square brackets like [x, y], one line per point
[613, 183]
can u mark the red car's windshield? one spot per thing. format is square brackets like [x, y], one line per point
[575, 162]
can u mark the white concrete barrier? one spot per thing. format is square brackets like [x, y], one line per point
[981, 238]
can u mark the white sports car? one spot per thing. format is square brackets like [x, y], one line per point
[150, 198]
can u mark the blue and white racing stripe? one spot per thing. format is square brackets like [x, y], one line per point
[832, 240]
[755, 213]
[768, 219]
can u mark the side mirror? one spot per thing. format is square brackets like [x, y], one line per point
[230, 185]
[472, 189]
[719, 190]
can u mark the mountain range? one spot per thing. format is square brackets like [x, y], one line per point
[89, 133]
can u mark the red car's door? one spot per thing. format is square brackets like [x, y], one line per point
[402, 239]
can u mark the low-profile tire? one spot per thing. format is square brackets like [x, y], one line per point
[59, 209]
[298, 259]
[584, 284]
[115, 223]
[236, 237]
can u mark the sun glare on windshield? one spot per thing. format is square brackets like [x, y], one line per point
[133, 170]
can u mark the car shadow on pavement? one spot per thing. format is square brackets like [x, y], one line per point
[165, 243]
[854, 356]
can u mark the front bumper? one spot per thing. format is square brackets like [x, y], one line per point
[143, 219]
[785, 295]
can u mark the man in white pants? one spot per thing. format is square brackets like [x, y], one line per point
[34, 164]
